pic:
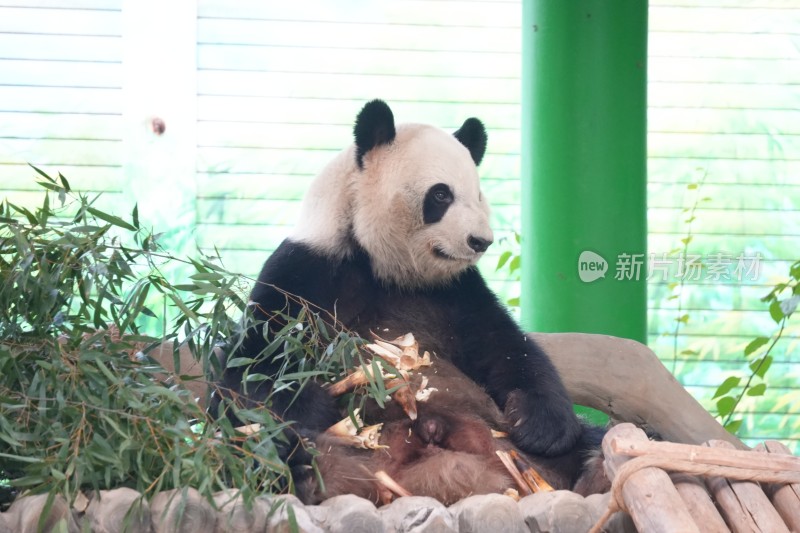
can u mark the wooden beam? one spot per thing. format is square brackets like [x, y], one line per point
[785, 497]
[745, 506]
[626, 380]
[650, 497]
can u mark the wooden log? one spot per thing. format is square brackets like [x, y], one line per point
[182, 511]
[233, 516]
[25, 514]
[5, 527]
[626, 380]
[190, 368]
[119, 510]
[699, 504]
[650, 497]
[708, 459]
[785, 497]
[743, 504]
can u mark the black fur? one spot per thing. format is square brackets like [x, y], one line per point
[374, 127]
[462, 322]
[472, 134]
[437, 200]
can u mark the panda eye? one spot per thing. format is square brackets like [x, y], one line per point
[441, 194]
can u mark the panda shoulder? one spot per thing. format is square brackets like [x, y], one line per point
[299, 269]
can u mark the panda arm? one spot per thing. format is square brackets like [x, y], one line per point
[515, 371]
[292, 277]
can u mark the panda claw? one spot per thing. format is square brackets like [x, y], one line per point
[541, 429]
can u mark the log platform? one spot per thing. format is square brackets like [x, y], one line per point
[667, 487]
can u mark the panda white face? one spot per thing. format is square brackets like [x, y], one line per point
[409, 196]
[418, 208]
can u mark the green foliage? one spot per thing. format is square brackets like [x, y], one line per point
[82, 404]
[510, 262]
[752, 383]
[677, 289]
[783, 300]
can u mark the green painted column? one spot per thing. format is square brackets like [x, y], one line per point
[584, 167]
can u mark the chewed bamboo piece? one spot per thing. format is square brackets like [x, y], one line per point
[402, 352]
[355, 379]
[404, 395]
[385, 480]
[523, 473]
[424, 392]
[533, 479]
[356, 434]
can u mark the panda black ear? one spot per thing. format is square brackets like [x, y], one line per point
[374, 127]
[472, 134]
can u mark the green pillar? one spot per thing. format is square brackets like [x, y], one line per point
[584, 166]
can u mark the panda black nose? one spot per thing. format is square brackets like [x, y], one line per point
[478, 244]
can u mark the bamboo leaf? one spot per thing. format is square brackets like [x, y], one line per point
[184, 309]
[64, 182]
[42, 173]
[503, 259]
[111, 219]
[207, 276]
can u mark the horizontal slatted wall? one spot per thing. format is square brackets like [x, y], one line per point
[724, 113]
[280, 83]
[60, 95]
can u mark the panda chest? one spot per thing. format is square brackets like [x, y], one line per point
[433, 321]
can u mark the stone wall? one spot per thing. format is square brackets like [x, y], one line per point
[122, 510]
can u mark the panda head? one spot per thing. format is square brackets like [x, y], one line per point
[408, 195]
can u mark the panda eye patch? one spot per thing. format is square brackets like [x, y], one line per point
[437, 200]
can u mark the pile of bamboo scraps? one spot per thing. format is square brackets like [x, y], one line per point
[711, 488]
[401, 356]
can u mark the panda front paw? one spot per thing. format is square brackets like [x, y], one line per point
[540, 425]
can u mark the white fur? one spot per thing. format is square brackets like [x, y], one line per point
[381, 207]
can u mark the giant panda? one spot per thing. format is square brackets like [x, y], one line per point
[388, 239]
